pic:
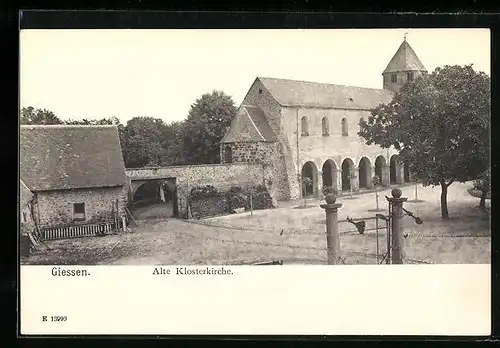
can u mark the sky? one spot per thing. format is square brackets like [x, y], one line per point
[160, 73]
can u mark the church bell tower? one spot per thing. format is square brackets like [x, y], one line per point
[403, 67]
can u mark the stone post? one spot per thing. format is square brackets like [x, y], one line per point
[319, 185]
[332, 229]
[397, 225]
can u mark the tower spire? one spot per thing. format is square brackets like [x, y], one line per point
[403, 67]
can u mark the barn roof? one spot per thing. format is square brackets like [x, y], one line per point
[250, 124]
[324, 95]
[25, 194]
[59, 157]
[405, 59]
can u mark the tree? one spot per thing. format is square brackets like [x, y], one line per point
[32, 116]
[440, 124]
[142, 142]
[95, 122]
[207, 121]
[171, 144]
[483, 184]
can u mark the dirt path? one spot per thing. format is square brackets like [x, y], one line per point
[244, 238]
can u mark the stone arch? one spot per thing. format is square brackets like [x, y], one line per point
[345, 127]
[325, 126]
[348, 171]
[309, 170]
[329, 171]
[395, 170]
[154, 192]
[381, 170]
[304, 126]
[365, 173]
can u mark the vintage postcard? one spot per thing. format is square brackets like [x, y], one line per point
[158, 167]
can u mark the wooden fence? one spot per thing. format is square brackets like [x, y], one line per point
[77, 231]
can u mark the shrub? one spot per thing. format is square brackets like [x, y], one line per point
[261, 199]
[201, 192]
[329, 190]
[236, 198]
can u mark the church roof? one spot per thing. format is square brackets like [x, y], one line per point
[250, 124]
[405, 59]
[61, 157]
[324, 95]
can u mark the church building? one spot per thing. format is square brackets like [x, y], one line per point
[310, 130]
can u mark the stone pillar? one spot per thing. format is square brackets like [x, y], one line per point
[332, 229]
[339, 181]
[355, 180]
[385, 179]
[319, 192]
[397, 225]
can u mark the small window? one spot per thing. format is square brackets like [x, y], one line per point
[304, 127]
[79, 211]
[260, 90]
[394, 78]
[345, 131]
[410, 76]
[325, 127]
[228, 154]
[25, 218]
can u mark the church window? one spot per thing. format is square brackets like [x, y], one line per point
[410, 76]
[304, 127]
[394, 78]
[345, 131]
[325, 126]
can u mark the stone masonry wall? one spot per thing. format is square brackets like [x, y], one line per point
[252, 151]
[402, 79]
[283, 161]
[268, 154]
[55, 208]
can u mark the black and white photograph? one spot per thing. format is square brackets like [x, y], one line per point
[195, 152]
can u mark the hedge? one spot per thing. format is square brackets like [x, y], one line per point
[208, 201]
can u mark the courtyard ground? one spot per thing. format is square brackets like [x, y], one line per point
[292, 233]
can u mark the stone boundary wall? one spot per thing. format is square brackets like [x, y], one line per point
[221, 176]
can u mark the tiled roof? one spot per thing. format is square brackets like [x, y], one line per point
[25, 194]
[249, 125]
[404, 59]
[66, 157]
[324, 95]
